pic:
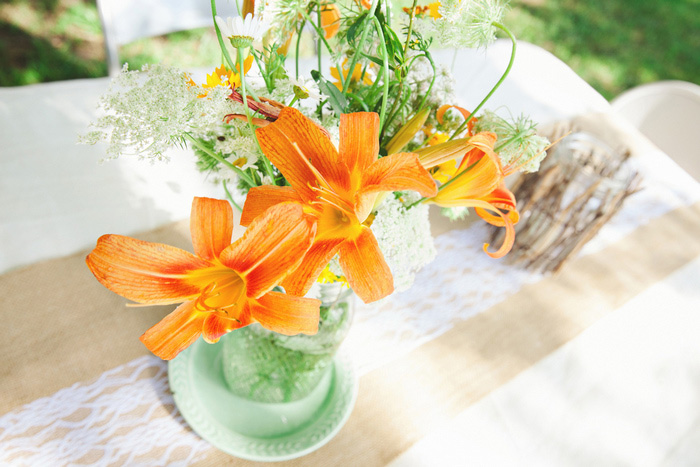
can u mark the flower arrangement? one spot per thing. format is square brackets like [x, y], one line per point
[332, 172]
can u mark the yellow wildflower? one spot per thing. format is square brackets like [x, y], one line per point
[356, 74]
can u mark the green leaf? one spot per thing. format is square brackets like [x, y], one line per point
[376, 60]
[335, 98]
[355, 27]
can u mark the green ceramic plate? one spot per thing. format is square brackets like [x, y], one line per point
[238, 426]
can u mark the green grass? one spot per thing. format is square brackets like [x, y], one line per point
[612, 44]
[616, 45]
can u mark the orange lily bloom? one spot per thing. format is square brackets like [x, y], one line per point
[478, 182]
[330, 19]
[222, 286]
[337, 189]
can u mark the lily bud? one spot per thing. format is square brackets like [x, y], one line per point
[407, 132]
[435, 155]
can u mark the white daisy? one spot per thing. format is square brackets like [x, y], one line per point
[303, 90]
[242, 32]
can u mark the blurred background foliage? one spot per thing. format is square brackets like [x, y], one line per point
[613, 44]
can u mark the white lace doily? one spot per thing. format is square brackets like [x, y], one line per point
[128, 417]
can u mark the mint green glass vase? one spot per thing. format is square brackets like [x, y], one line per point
[287, 377]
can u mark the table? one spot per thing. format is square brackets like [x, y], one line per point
[478, 364]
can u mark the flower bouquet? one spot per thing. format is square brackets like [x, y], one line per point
[332, 172]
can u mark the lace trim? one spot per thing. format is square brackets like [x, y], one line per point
[128, 417]
[125, 417]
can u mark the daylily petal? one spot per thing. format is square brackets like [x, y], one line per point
[286, 314]
[510, 230]
[260, 198]
[330, 20]
[482, 144]
[508, 221]
[315, 260]
[359, 139]
[364, 267]
[503, 199]
[211, 226]
[465, 113]
[175, 332]
[481, 178]
[401, 171]
[301, 152]
[271, 247]
[216, 325]
[144, 272]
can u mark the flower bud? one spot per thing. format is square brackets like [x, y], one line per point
[407, 132]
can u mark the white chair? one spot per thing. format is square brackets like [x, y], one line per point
[668, 113]
[124, 21]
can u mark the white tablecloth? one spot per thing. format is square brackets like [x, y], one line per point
[625, 392]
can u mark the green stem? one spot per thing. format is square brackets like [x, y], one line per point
[230, 198]
[385, 66]
[410, 26]
[357, 99]
[296, 57]
[320, 34]
[222, 45]
[398, 105]
[263, 72]
[498, 84]
[321, 37]
[358, 49]
[244, 176]
[266, 162]
[432, 82]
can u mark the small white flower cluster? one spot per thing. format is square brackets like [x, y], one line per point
[518, 142]
[443, 91]
[282, 16]
[455, 213]
[464, 23]
[404, 236]
[150, 111]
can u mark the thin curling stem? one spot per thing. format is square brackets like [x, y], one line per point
[498, 84]
[266, 162]
[358, 49]
[385, 67]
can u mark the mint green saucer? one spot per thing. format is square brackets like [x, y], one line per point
[253, 430]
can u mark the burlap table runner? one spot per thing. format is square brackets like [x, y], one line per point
[62, 327]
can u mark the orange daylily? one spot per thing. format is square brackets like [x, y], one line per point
[337, 189]
[330, 20]
[222, 286]
[478, 182]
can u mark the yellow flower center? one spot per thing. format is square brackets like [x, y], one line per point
[222, 288]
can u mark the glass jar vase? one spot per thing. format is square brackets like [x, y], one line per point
[263, 366]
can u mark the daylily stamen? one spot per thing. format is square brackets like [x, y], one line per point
[321, 179]
[223, 286]
[328, 196]
[337, 188]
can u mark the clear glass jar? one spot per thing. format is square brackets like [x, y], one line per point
[264, 366]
